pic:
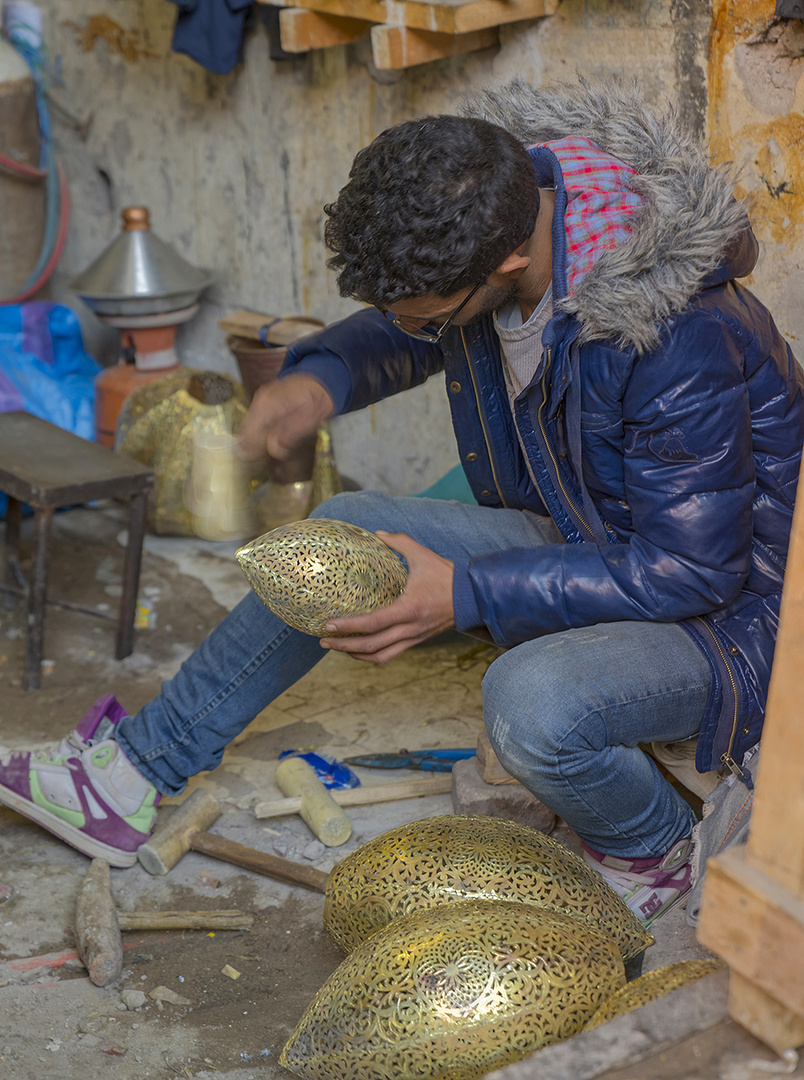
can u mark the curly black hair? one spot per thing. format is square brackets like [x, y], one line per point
[432, 206]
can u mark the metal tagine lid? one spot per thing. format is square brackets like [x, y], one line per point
[139, 274]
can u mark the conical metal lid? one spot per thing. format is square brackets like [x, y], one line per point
[139, 273]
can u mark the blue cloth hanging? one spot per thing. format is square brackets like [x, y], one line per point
[211, 32]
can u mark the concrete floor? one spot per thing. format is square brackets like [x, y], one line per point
[54, 1019]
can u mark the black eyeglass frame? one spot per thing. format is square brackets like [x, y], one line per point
[429, 332]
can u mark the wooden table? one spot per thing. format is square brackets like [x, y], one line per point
[48, 468]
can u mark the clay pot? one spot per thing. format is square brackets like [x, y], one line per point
[257, 363]
[260, 364]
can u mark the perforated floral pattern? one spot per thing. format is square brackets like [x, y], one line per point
[454, 992]
[309, 572]
[462, 857]
[651, 986]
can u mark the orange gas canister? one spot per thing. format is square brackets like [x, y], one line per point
[112, 387]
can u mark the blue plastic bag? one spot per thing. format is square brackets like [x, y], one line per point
[44, 368]
[331, 772]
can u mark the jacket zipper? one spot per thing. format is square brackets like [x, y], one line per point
[482, 421]
[726, 757]
[566, 494]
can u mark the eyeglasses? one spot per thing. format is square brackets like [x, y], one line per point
[428, 331]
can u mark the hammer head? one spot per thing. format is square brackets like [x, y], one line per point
[170, 842]
[318, 808]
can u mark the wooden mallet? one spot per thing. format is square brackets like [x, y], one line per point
[98, 924]
[97, 931]
[186, 831]
[318, 808]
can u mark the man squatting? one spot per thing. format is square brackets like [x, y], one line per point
[630, 421]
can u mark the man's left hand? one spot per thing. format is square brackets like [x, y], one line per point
[423, 610]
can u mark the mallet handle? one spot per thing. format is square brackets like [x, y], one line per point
[259, 861]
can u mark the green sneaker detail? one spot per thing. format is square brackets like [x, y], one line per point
[144, 817]
[102, 756]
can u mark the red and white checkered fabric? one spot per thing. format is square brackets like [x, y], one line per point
[600, 204]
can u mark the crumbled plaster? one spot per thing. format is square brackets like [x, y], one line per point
[118, 40]
[770, 64]
[756, 102]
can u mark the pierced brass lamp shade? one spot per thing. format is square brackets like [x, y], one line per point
[651, 986]
[309, 572]
[164, 424]
[453, 992]
[453, 857]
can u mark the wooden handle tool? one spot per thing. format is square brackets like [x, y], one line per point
[439, 784]
[97, 932]
[186, 832]
[318, 808]
[220, 919]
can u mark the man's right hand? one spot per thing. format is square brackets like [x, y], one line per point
[282, 415]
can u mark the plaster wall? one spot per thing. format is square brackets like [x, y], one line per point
[755, 110]
[235, 169]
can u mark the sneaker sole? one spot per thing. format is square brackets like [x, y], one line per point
[95, 849]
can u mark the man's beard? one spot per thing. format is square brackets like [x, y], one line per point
[492, 298]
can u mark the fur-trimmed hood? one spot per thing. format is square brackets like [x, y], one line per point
[690, 231]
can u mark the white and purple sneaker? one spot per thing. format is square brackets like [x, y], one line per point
[650, 887]
[84, 789]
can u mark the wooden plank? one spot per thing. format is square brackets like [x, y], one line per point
[395, 47]
[363, 796]
[757, 927]
[369, 10]
[476, 14]
[222, 919]
[301, 30]
[446, 16]
[280, 330]
[765, 1017]
[776, 841]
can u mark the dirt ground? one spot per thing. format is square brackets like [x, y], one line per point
[54, 1020]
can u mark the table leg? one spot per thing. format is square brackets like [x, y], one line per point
[131, 574]
[32, 675]
[12, 550]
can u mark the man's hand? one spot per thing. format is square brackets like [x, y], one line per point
[282, 414]
[423, 610]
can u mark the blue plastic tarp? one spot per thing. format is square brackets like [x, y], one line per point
[44, 368]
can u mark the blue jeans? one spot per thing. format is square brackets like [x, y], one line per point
[564, 712]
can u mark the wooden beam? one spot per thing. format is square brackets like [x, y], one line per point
[776, 839]
[461, 16]
[370, 10]
[395, 47]
[756, 926]
[765, 1017]
[301, 30]
[444, 16]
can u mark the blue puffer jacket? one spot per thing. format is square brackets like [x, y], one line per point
[665, 446]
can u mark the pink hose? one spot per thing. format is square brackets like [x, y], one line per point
[23, 170]
[50, 266]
